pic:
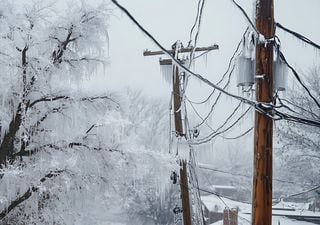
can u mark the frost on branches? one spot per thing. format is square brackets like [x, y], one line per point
[69, 156]
[300, 144]
[44, 51]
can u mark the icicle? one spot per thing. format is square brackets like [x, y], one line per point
[167, 72]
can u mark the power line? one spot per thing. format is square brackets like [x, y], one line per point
[246, 16]
[295, 73]
[214, 134]
[303, 192]
[247, 176]
[230, 63]
[299, 36]
[179, 64]
[239, 136]
[199, 14]
[197, 20]
[265, 108]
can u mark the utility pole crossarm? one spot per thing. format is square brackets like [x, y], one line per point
[182, 50]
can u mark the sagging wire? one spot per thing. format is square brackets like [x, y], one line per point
[296, 75]
[299, 36]
[230, 63]
[246, 16]
[198, 114]
[264, 108]
[250, 177]
[239, 136]
[216, 133]
[281, 100]
[216, 101]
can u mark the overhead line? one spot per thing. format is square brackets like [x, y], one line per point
[264, 108]
[295, 73]
[299, 36]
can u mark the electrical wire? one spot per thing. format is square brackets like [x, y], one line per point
[246, 16]
[264, 108]
[299, 36]
[216, 101]
[195, 22]
[214, 134]
[303, 192]
[281, 100]
[239, 136]
[198, 20]
[176, 62]
[295, 73]
[230, 63]
[247, 176]
[198, 114]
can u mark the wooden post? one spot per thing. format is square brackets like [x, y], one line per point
[186, 210]
[230, 216]
[177, 102]
[262, 176]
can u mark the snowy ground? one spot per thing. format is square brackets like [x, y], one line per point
[213, 203]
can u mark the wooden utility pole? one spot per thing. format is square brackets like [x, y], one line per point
[184, 184]
[262, 176]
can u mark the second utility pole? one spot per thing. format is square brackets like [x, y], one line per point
[185, 199]
[262, 176]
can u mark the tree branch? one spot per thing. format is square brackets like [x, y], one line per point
[28, 194]
[55, 98]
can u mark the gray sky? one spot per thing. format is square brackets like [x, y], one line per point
[171, 20]
[223, 24]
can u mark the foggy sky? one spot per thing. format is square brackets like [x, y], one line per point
[222, 23]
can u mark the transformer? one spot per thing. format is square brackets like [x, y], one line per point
[280, 75]
[245, 71]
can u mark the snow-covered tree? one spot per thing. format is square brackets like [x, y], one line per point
[300, 144]
[46, 49]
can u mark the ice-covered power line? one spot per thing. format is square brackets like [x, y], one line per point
[197, 23]
[246, 16]
[303, 192]
[206, 167]
[216, 133]
[264, 108]
[299, 36]
[296, 75]
[240, 135]
[282, 102]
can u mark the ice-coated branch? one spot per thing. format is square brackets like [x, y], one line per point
[63, 97]
[28, 193]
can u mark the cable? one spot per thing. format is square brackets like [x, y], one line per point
[198, 114]
[195, 22]
[175, 61]
[216, 101]
[264, 108]
[239, 136]
[303, 192]
[299, 79]
[214, 134]
[247, 176]
[231, 61]
[246, 16]
[281, 100]
[299, 36]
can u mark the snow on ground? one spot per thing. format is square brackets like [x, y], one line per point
[214, 203]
